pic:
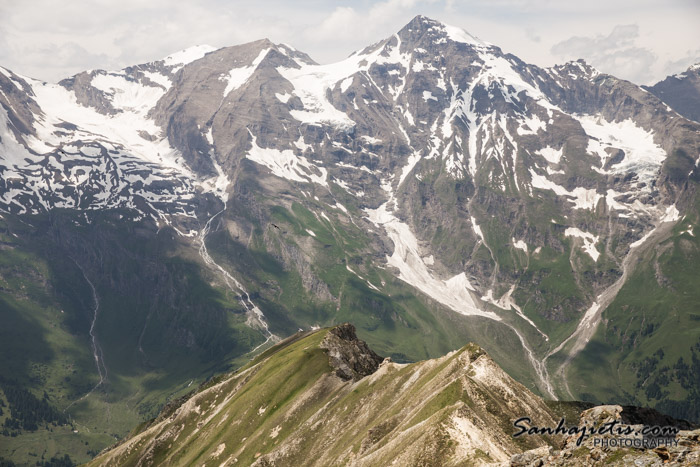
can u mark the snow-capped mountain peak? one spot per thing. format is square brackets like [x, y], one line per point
[186, 56]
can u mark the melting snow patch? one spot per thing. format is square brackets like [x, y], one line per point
[581, 197]
[477, 229]
[671, 214]
[642, 154]
[186, 56]
[453, 293]
[427, 95]
[219, 450]
[589, 241]
[237, 77]
[370, 139]
[310, 232]
[284, 98]
[641, 241]
[285, 164]
[553, 156]
[520, 244]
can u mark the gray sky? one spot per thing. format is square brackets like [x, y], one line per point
[639, 40]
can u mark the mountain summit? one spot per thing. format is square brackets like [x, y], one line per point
[161, 221]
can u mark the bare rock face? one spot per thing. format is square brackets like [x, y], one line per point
[350, 356]
[681, 92]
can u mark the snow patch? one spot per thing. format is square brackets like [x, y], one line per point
[589, 241]
[582, 198]
[477, 229]
[345, 84]
[237, 77]
[520, 244]
[370, 139]
[427, 95]
[158, 79]
[531, 126]
[406, 170]
[285, 164]
[642, 155]
[456, 34]
[453, 293]
[183, 57]
[283, 98]
[671, 214]
[126, 94]
[553, 156]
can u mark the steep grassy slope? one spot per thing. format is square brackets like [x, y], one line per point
[646, 351]
[159, 326]
[287, 407]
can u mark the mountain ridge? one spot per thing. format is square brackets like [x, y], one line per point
[459, 408]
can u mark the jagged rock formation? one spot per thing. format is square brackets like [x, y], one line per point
[351, 357]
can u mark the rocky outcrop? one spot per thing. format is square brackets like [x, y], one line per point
[349, 356]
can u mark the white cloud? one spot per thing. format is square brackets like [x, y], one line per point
[616, 53]
[348, 29]
[675, 66]
[52, 40]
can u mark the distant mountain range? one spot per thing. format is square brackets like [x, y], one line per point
[165, 222]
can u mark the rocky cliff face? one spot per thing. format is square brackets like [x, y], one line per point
[351, 357]
[681, 92]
